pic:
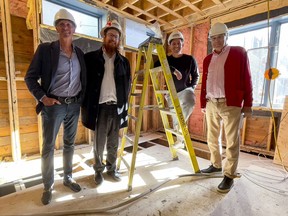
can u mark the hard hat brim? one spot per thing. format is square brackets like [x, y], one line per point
[106, 28]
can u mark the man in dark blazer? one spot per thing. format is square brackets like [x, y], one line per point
[105, 105]
[61, 68]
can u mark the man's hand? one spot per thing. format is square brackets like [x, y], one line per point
[178, 74]
[49, 101]
[247, 111]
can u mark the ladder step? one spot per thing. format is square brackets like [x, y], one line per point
[171, 130]
[147, 107]
[140, 72]
[133, 117]
[136, 94]
[156, 69]
[167, 111]
[129, 139]
[162, 91]
[151, 107]
[125, 163]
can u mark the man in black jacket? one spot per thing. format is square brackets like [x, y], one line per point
[60, 66]
[105, 105]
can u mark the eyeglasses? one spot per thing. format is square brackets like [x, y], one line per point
[111, 35]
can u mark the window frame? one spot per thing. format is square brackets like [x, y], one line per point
[274, 39]
[82, 8]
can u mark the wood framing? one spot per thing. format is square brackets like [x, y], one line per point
[11, 82]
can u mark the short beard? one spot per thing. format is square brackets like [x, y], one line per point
[109, 49]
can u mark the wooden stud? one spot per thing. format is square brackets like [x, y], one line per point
[270, 133]
[243, 132]
[11, 83]
[35, 7]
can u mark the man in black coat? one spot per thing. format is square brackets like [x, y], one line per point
[105, 105]
[60, 66]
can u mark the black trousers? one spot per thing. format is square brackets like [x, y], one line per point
[106, 132]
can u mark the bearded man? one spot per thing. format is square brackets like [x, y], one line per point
[105, 105]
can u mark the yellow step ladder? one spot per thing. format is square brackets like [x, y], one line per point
[146, 49]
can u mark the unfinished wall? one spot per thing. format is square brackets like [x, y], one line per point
[23, 48]
[199, 51]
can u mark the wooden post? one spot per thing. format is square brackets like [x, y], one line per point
[34, 10]
[243, 131]
[11, 81]
[133, 68]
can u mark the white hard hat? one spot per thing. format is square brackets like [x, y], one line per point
[175, 35]
[218, 28]
[63, 14]
[111, 24]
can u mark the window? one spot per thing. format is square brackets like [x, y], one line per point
[136, 33]
[254, 38]
[88, 19]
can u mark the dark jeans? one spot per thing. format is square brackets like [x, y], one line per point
[52, 117]
[106, 132]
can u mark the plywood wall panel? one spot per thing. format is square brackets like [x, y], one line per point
[28, 141]
[4, 130]
[22, 45]
[257, 128]
[281, 152]
[5, 149]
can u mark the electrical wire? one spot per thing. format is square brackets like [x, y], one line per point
[126, 202]
[269, 96]
[264, 179]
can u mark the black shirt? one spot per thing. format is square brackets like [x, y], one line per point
[187, 65]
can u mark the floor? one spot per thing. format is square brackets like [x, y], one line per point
[161, 187]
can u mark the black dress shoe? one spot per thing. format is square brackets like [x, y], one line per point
[115, 175]
[46, 197]
[98, 178]
[225, 185]
[72, 185]
[211, 169]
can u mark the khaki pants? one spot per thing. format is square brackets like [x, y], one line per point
[217, 112]
[187, 102]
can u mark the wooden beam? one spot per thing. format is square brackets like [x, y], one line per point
[245, 10]
[217, 2]
[104, 6]
[3, 79]
[168, 10]
[123, 4]
[193, 7]
[11, 83]
[149, 15]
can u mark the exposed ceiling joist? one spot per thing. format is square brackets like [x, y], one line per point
[171, 14]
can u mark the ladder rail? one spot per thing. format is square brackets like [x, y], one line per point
[130, 108]
[140, 116]
[146, 51]
[173, 95]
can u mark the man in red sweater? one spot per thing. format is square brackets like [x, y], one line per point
[226, 93]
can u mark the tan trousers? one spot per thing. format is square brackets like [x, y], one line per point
[187, 102]
[217, 112]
